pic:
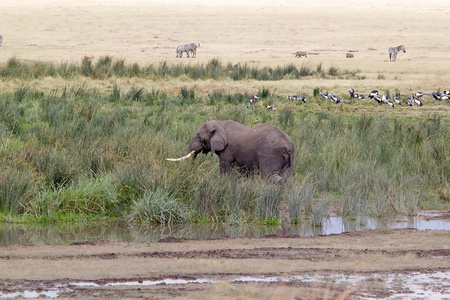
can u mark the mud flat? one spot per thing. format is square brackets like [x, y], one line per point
[358, 265]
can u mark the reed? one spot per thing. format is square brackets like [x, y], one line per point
[301, 199]
[106, 67]
[74, 151]
[84, 199]
[16, 190]
[320, 212]
[159, 206]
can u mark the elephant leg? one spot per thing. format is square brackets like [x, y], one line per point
[225, 164]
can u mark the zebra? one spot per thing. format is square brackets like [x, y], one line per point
[393, 51]
[1, 40]
[188, 48]
[183, 48]
[193, 49]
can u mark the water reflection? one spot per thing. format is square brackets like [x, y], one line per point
[36, 234]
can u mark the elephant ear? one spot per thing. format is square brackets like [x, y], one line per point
[218, 135]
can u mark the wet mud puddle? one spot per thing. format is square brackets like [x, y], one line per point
[396, 286]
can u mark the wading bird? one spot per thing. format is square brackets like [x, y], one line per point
[332, 97]
[271, 107]
[396, 99]
[387, 101]
[373, 94]
[323, 95]
[377, 98]
[293, 97]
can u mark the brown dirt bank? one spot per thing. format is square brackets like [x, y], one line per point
[363, 253]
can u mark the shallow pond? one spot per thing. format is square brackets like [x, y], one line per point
[36, 234]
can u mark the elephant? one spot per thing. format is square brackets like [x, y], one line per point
[263, 149]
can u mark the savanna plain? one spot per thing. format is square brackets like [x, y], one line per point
[93, 101]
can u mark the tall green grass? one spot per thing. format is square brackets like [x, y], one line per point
[76, 152]
[108, 67]
[159, 206]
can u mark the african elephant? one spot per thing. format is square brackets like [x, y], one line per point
[264, 148]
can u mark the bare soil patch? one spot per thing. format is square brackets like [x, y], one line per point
[116, 270]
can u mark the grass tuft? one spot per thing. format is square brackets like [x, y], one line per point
[159, 206]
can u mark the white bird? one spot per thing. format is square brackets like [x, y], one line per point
[271, 107]
[445, 97]
[436, 95]
[339, 100]
[352, 93]
[387, 101]
[249, 105]
[254, 98]
[373, 94]
[302, 98]
[409, 101]
[332, 97]
[417, 101]
[377, 98]
[323, 95]
[396, 99]
[418, 94]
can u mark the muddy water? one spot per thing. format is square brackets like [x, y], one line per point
[412, 286]
[36, 234]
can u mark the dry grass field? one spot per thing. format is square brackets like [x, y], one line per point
[256, 33]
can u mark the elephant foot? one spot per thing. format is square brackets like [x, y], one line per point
[275, 178]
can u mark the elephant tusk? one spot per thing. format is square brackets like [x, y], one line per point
[182, 158]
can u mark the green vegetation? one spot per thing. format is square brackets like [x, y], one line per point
[107, 67]
[77, 153]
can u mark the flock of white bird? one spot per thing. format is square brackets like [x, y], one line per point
[414, 99]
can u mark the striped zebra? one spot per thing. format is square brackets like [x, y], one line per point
[1, 40]
[393, 51]
[193, 49]
[183, 48]
[188, 48]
